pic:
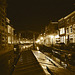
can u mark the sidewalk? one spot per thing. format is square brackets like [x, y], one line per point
[54, 67]
[28, 65]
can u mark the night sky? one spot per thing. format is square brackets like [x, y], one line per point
[36, 14]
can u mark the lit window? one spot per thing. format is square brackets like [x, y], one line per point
[62, 30]
[9, 40]
[9, 29]
[62, 39]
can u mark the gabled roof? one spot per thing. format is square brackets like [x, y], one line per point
[69, 15]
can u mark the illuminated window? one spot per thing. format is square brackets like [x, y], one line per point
[9, 40]
[62, 30]
[62, 39]
[9, 29]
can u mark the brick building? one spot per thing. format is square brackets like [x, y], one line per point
[3, 26]
[62, 30]
[70, 27]
[66, 27]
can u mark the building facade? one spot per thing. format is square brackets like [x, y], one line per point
[66, 27]
[10, 36]
[51, 33]
[62, 30]
[3, 26]
[70, 27]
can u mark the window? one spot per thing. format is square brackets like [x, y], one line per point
[9, 39]
[67, 30]
[62, 39]
[62, 30]
[9, 29]
[71, 29]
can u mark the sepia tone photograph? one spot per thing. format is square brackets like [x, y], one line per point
[37, 37]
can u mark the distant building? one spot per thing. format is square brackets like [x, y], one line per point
[3, 26]
[51, 32]
[16, 38]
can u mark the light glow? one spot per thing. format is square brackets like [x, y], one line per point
[62, 30]
[57, 36]
[52, 36]
[38, 41]
[41, 38]
[37, 48]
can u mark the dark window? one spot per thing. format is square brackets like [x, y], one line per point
[70, 28]
[67, 30]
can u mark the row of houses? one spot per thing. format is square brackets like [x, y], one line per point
[7, 36]
[7, 55]
[62, 31]
[66, 27]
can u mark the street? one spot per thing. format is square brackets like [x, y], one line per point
[54, 67]
[37, 37]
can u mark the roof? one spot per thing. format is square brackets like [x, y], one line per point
[69, 15]
[60, 19]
